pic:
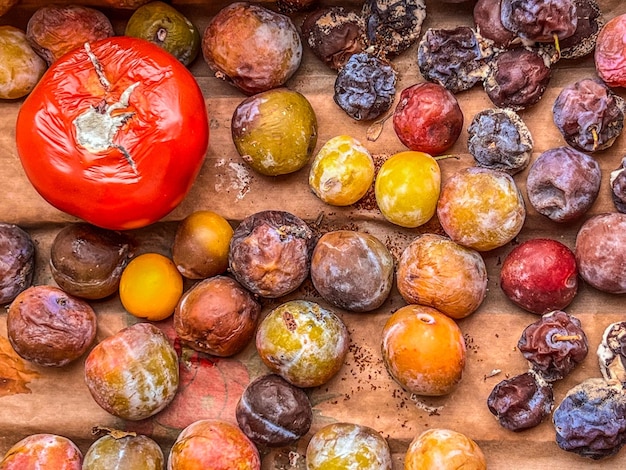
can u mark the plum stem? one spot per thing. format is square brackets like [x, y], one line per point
[559, 337]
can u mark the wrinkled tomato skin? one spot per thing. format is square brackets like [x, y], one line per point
[166, 135]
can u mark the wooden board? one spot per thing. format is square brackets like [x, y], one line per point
[57, 400]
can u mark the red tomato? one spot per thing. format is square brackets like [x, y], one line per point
[114, 133]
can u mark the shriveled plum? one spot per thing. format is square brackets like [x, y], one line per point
[612, 352]
[589, 115]
[517, 78]
[365, 87]
[270, 253]
[489, 24]
[610, 52]
[540, 20]
[333, 34]
[499, 139]
[392, 26]
[583, 41]
[617, 181]
[554, 345]
[17, 261]
[563, 183]
[88, 261]
[49, 327]
[352, 270]
[599, 252]
[451, 57]
[591, 420]
[521, 402]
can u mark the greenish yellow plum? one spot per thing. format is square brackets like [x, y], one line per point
[20, 67]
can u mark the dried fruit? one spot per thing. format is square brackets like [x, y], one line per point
[521, 402]
[303, 342]
[540, 20]
[612, 352]
[488, 23]
[17, 261]
[589, 23]
[610, 52]
[554, 345]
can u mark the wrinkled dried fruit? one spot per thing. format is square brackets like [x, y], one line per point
[452, 58]
[589, 23]
[54, 30]
[521, 402]
[499, 139]
[392, 26]
[591, 419]
[365, 87]
[554, 345]
[612, 352]
[252, 47]
[489, 24]
[563, 183]
[610, 52]
[540, 20]
[352, 270]
[273, 412]
[270, 253]
[88, 261]
[589, 115]
[617, 180]
[17, 261]
[517, 78]
[303, 342]
[600, 252]
[435, 271]
[217, 316]
[49, 327]
[334, 34]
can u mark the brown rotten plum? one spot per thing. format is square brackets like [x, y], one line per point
[488, 22]
[435, 271]
[563, 183]
[303, 342]
[273, 412]
[540, 275]
[49, 327]
[612, 352]
[133, 374]
[352, 270]
[600, 252]
[270, 253]
[88, 261]
[17, 261]
[252, 47]
[554, 345]
[540, 20]
[428, 118]
[217, 316]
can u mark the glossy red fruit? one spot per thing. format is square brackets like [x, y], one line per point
[540, 275]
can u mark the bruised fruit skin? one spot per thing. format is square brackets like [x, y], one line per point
[88, 261]
[444, 449]
[600, 252]
[252, 47]
[303, 342]
[133, 374]
[407, 188]
[17, 261]
[273, 412]
[352, 270]
[437, 272]
[217, 316]
[47, 326]
[43, 451]
[481, 208]
[214, 444]
[340, 445]
[275, 132]
[540, 275]
[201, 245]
[270, 253]
[124, 450]
[423, 350]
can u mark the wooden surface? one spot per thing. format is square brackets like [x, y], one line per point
[56, 400]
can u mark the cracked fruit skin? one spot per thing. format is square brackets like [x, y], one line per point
[133, 374]
[407, 188]
[423, 350]
[119, 150]
[303, 342]
[43, 451]
[214, 444]
[275, 131]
